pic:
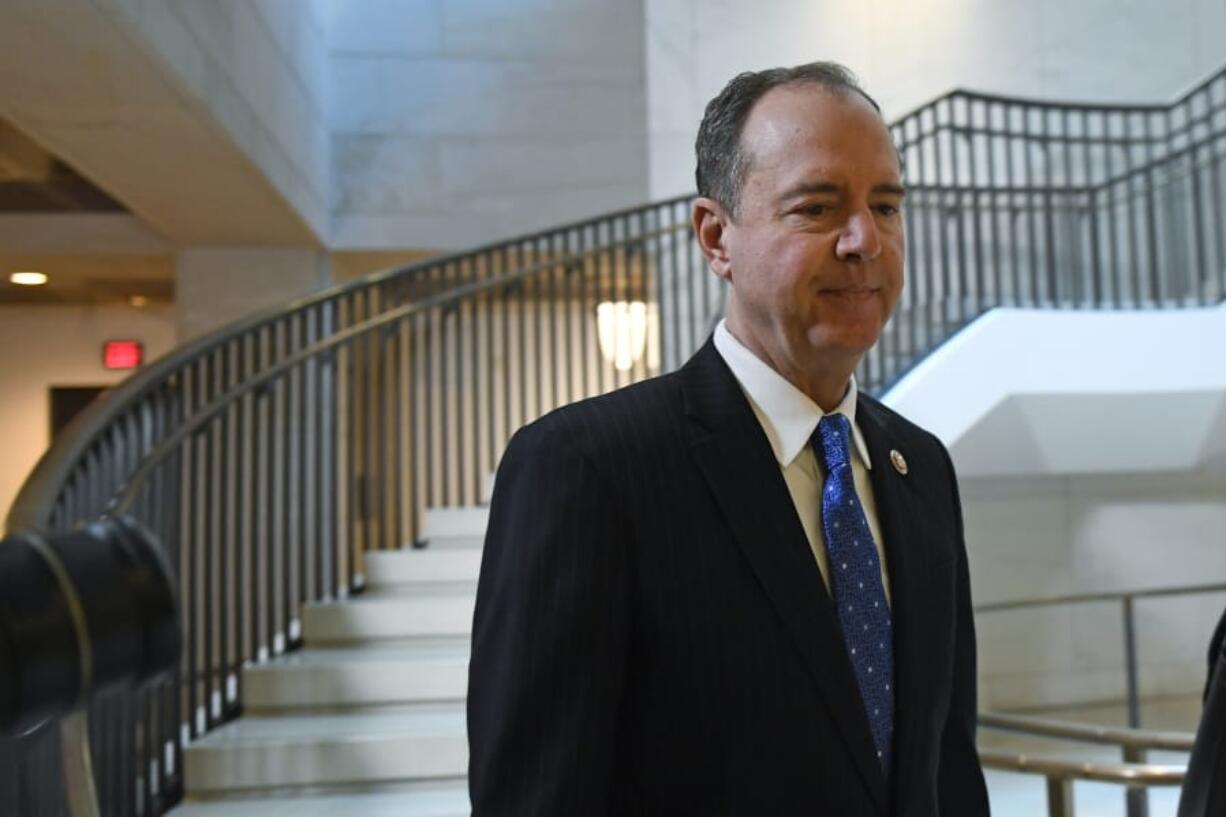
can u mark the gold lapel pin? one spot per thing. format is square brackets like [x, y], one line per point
[899, 461]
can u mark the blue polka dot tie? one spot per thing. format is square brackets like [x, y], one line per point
[855, 579]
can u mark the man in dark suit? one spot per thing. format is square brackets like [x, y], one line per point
[1204, 788]
[741, 588]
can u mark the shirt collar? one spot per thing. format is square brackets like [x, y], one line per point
[788, 416]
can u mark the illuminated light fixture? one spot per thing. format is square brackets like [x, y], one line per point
[622, 329]
[138, 301]
[122, 354]
[28, 279]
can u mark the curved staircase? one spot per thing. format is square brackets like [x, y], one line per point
[368, 717]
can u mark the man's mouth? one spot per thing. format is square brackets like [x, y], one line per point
[851, 293]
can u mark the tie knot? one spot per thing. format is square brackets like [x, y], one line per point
[834, 436]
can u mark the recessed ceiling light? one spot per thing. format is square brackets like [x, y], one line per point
[28, 279]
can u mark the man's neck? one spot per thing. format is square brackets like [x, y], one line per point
[824, 383]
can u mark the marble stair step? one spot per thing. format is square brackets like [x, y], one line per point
[371, 675]
[431, 800]
[280, 752]
[430, 611]
[394, 570]
[455, 527]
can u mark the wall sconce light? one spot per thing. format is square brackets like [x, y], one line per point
[622, 330]
[28, 279]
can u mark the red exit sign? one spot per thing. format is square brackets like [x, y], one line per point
[122, 354]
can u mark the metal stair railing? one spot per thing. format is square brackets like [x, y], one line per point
[270, 455]
[1133, 743]
[1028, 203]
[1059, 774]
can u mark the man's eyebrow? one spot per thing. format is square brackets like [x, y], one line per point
[815, 188]
[810, 189]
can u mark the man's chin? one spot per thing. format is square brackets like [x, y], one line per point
[849, 341]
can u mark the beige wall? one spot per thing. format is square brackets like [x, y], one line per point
[45, 346]
[215, 286]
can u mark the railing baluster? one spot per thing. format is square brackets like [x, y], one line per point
[956, 305]
[994, 206]
[473, 388]
[505, 427]
[224, 540]
[521, 346]
[266, 545]
[976, 199]
[1137, 800]
[927, 280]
[354, 467]
[1097, 297]
[1197, 209]
[399, 538]
[446, 330]
[485, 306]
[1073, 296]
[1059, 797]
[1156, 290]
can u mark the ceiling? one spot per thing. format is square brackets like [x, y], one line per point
[90, 278]
[34, 181]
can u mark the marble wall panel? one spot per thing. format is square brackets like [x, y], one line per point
[1031, 537]
[909, 54]
[447, 95]
[386, 174]
[256, 66]
[514, 118]
[591, 32]
[397, 27]
[491, 166]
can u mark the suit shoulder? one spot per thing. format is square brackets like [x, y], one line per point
[899, 426]
[645, 411]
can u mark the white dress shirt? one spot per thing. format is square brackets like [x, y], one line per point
[789, 419]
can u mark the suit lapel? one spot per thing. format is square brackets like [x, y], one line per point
[903, 518]
[734, 456]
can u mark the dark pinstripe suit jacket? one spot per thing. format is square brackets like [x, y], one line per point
[652, 635]
[1204, 789]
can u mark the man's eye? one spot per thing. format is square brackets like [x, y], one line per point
[816, 209]
[887, 209]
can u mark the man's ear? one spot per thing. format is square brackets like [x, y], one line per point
[710, 221]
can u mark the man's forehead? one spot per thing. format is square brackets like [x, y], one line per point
[812, 131]
[806, 107]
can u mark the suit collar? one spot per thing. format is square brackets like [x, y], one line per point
[734, 456]
[788, 416]
[909, 530]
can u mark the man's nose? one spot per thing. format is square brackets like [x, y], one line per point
[859, 240]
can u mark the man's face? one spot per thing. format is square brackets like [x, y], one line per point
[815, 253]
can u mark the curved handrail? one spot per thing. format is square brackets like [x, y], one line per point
[1088, 733]
[1057, 768]
[1060, 105]
[128, 492]
[1132, 741]
[1131, 737]
[32, 505]
[1106, 595]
